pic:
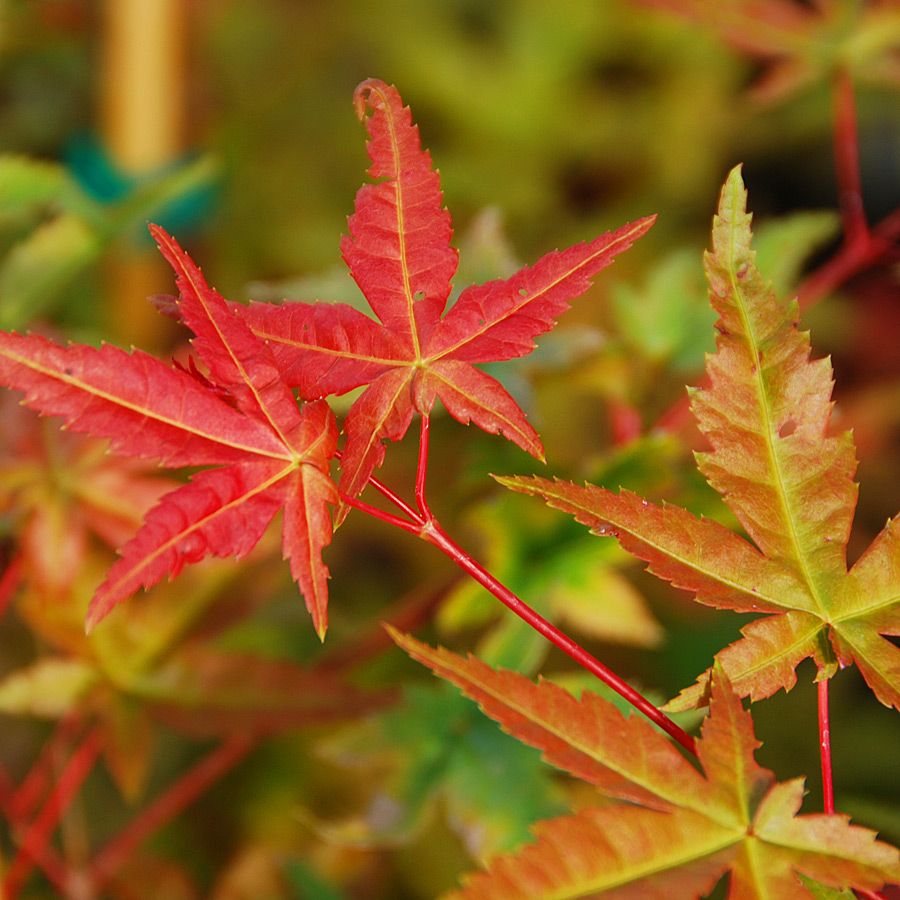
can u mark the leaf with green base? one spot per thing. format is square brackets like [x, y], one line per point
[788, 481]
[680, 831]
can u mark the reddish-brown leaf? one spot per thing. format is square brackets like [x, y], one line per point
[682, 829]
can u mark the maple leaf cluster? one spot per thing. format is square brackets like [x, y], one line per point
[673, 831]
[235, 408]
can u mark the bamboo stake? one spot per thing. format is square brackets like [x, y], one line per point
[142, 116]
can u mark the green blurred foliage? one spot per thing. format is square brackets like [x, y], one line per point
[549, 124]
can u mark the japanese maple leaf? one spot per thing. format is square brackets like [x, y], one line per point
[399, 253]
[790, 484]
[679, 830]
[269, 453]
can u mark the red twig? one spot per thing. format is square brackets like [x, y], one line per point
[414, 527]
[9, 581]
[34, 843]
[184, 791]
[825, 747]
[422, 468]
[423, 523]
[846, 162]
[27, 797]
[435, 535]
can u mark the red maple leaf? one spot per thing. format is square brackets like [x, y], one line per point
[241, 415]
[399, 253]
[269, 452]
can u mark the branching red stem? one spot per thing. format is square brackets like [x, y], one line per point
[27, 797]
[423, 523]
[414, 527]
[9, 581]
[422, 468]
[181, 794]
[34, 844]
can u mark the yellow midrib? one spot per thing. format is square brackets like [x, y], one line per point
[768, 431]
[141, 410]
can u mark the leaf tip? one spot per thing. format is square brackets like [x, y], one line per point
[361, 95]
[320, 623]
[734, 192]
[93, 618]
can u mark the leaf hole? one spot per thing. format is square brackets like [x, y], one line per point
[787, 429]
[418, 295]
[523, 292]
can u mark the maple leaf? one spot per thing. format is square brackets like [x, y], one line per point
[398, 251]
[269, 453]
[790, 485]
[681, 830]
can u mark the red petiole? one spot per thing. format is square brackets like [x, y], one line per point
[422, 522]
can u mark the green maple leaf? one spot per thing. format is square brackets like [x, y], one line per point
[435, 751]
[679, 830]
[789, 483]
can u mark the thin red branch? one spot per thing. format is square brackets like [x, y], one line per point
[34, 843]
[425, 525]
[9, 581]
[42, 774]
[179, 795]
[435, 535]
[825, 748]
[846, 162]
[390, 518]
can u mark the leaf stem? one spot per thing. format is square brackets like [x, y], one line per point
[414, 527]
[401, 504]
[177, 797]
[34, 843]
[825, 747]
[424, 524]
[435, 534]
[422, 467]
[846, 158]
[27, 797]
[10, 581]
